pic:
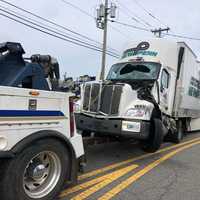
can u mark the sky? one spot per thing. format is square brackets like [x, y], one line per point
[182, 16]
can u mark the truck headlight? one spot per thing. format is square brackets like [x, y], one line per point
[139, 111]
[135, 112]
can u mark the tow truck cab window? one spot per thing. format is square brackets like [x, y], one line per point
[165, 79]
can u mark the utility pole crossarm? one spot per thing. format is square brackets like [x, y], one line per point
[160, 30]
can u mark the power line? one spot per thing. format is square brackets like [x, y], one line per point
[149, 13]
[182, 36]
[43, 27]
[49, 21]
[19, 14]
[78, 8]
[147, 30]
[63, 27]
[54, 35]
[130, 16]
[89, 15]
[23, 16]
[134, 16]
[131, 26]
[119, 31]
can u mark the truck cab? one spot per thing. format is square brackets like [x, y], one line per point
[138, 97]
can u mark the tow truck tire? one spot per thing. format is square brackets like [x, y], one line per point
[37, 173]
[154, 142]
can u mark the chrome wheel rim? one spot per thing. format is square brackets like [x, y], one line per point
[42, 174]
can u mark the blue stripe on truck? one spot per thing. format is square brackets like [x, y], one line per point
[30, 113]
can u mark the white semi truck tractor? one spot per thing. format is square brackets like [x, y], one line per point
[151, 94]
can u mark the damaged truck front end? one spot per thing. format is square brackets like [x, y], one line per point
[124, 105]
[148, 95]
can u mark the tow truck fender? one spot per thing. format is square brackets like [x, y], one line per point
[40, 135]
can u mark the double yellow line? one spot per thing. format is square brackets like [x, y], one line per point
[123, 185]
[119, 164]
[96, 184]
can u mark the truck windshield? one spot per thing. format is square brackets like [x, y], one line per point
[134, 71]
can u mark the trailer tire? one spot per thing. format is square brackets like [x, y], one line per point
[154, 142]
[37, 173]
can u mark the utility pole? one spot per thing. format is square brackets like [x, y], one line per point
[159, 31]
[103, 62]
[102, 23]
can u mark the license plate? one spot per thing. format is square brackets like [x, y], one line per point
[131, 126]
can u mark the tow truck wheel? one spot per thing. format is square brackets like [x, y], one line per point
[153, 143]
[38, 172]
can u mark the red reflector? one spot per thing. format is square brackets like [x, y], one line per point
[71, 113]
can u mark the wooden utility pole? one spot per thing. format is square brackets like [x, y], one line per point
[103, 12]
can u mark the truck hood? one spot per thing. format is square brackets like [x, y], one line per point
[135, 84]
[131, 99]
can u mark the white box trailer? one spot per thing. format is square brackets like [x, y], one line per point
[187, 101]
[152, 93]
[39, 146]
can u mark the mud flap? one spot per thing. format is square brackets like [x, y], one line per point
[176, 136]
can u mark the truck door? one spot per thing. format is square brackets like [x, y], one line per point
[164, 89]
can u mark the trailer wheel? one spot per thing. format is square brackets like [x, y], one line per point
[38, 172]
[154, 142]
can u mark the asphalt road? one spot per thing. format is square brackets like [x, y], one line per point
[122, 171]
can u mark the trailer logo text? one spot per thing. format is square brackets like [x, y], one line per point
[140, 50]
[194, 88]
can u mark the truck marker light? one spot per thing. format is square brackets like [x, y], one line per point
[34, 93]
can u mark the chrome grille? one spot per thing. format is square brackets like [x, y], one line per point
[102, 98]
[116, 99]
[94, 98]
[86, 101]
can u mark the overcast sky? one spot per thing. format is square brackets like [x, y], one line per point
[182, 16]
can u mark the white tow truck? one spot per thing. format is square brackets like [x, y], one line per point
[151, 94]
[39, 145]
